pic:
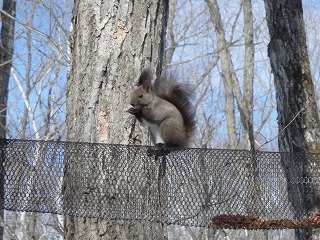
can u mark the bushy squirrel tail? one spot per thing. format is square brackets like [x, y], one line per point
[180, 95]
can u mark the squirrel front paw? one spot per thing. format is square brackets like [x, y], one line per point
[134, 110]
[159, 149]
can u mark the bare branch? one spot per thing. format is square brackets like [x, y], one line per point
[27, 104]
[282, 130]
[64, 55]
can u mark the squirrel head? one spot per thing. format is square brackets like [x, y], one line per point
[143, 94]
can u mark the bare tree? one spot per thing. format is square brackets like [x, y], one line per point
[38, 82]
[298, 115]
[230, 80]
[6, 55]
[111, 43]
[37, 91]
[311, 18]
[213, 62]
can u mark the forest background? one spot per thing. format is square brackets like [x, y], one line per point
[37, 90]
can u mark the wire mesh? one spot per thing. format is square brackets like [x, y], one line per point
[194, 187]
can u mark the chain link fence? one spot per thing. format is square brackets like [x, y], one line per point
[191, 187]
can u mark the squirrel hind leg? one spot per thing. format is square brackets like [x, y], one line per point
[173, 135]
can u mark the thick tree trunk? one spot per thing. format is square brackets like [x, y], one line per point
[112, 42]
[6, 52]
[298, 118]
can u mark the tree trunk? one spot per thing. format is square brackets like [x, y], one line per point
[228, 74]
[112, 42]
[248, 75]
[6, 52]
[298, 118]
[230, 80]
[244, 100]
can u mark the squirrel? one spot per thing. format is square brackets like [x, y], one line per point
[165, 108]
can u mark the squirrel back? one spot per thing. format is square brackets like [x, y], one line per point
[166, 108]
[180, 95]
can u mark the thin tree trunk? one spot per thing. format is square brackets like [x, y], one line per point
[170, 30]
[248, 75]
[24, 120]
[227, 71]
[112, 42]
[30, 220]
[244, 101]
[298, 118]
[231, 83]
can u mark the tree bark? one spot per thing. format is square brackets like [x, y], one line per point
[6, 52]
[248, 75]
[298, 118]
[112, 42]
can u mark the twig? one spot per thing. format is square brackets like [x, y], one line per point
[133, 139]
[64, 55]
[8, 229]
[203, 207]
[282, 129]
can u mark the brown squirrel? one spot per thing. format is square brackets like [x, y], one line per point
[165, 108]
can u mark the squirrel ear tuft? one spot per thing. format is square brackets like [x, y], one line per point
[145, 79]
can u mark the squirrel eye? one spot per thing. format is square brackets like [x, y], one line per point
[141, 96]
